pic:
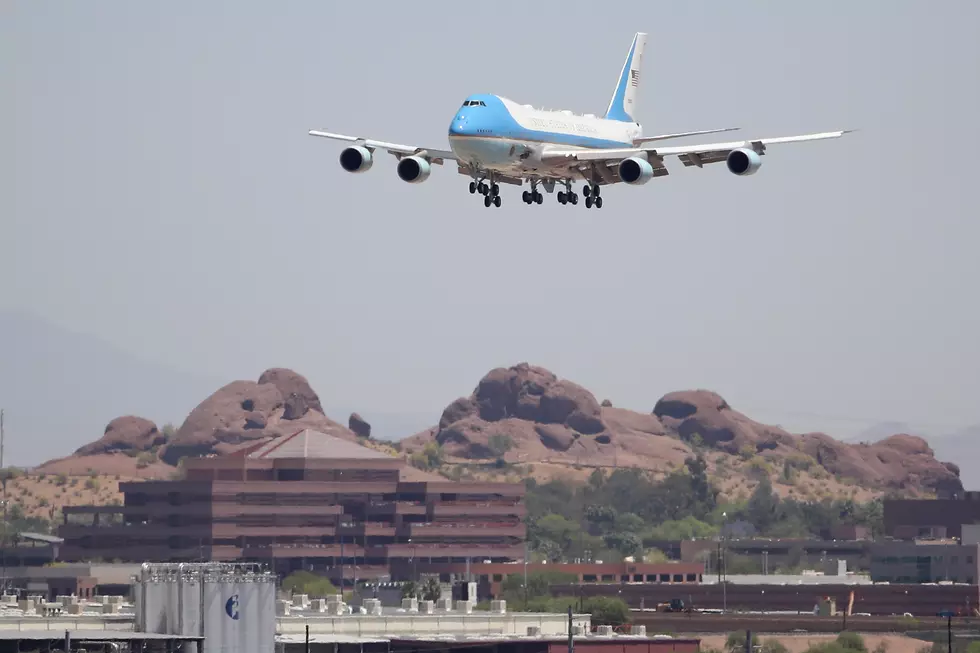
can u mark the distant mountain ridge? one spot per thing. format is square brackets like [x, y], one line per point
[60, 389]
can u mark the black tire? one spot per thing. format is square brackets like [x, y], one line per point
[598, 202]
[495, 189]
[526, 197]
[561, 197]
[486, 200]
[588, 202]
[472, 187]
[539, 199]
[595, 191]
[496, 200]
[586, 190]
[574, 199]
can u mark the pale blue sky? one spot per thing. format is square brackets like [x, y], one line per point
[160, 192]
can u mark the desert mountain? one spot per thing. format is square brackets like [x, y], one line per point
[525, 421]
[525, 415]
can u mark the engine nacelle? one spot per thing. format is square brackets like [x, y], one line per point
[743, 162]
[414, 169]
[356, 159]
[635, 170]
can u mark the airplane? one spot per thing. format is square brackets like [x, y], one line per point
[494, 140]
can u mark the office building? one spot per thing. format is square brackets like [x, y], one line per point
[304, 501]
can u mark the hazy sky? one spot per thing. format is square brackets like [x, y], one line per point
[160, 191]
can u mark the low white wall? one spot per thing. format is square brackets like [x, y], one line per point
[416, 625]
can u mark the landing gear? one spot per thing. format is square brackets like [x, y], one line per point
[568, 195]
[490, 192]
[592, 198]
[533, 196]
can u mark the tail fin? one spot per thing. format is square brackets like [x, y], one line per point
[622, 105]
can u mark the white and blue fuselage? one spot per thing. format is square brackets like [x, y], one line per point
[492, 133]
[494, 139]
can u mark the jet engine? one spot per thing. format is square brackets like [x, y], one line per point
[413, 169]
[743, 162]
[635, 170]
[356, 159]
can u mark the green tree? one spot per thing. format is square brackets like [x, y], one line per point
[852, 642]
[762, 505]
[499, 444]
[305, 582]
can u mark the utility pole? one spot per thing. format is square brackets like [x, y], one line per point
[3, 536]
[525, 572]
[571, 642]
[949, 629]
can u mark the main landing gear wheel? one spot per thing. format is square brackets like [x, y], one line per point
[567, 198]
[491, 194]
[532, 197]
[592, 196]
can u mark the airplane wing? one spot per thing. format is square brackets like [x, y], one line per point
[398, 150]
[664, 137]
[690, 155]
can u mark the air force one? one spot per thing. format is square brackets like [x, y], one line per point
[495, 140]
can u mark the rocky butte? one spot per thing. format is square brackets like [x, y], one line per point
[524, 420]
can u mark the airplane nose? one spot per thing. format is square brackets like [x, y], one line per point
[457, 127]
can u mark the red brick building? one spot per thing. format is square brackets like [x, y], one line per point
[931, 518]
[304, 501]
[490, 576]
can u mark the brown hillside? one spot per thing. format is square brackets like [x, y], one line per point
[527, 416]
[518, 421]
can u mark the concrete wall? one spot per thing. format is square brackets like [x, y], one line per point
[422, 625]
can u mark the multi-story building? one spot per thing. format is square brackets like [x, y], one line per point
[938, 518]
[925, 562]
[304, 501]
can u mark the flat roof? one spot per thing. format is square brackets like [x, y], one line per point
[330, 638]
[42, 537]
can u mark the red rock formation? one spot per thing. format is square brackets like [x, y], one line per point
[282, 401]
[359, 426]
[545, 419]
[127, 433]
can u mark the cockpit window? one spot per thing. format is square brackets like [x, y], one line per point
[474, 103]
